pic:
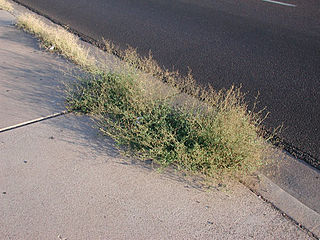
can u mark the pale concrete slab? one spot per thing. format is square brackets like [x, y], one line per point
[30, 79]
[62, 178]
[291, 206]
[297, 178]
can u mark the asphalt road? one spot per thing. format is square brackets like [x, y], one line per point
[267, 47]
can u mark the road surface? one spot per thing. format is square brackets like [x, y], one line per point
[267, 46]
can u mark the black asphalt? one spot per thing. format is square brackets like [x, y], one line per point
[266, 47]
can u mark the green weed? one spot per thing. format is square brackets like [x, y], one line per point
[218, 139]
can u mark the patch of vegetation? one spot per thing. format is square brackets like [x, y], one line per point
[57, 39]
[177, 123]
[220, 138]
[6, 6]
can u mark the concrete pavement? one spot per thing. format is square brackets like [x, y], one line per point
[60, 179]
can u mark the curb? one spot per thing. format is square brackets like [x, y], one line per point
[304, 216]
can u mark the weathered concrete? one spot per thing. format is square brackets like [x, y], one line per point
[31, 79]
[288, 204]
[297, 178]
[62, 178]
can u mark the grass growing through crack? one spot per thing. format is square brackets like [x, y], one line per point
[178, 124]
[6, 6]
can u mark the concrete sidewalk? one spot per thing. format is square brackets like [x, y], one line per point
[60, 179]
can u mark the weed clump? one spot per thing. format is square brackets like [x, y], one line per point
[6, 6]
[177, 123]
[212, 137]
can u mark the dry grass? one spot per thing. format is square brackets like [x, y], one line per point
[6, 6]
[148, 65]
[57, 39]
[177, 123]
[216, 136]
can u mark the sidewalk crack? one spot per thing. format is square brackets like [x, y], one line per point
[33, 121]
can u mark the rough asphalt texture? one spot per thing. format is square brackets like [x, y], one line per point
[265, 47]
[61, 179]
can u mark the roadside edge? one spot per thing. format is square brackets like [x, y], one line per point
[299, 213]
[291, 207]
